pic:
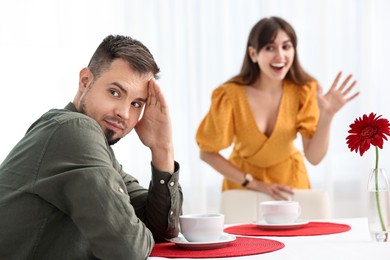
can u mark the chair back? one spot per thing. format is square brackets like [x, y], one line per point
[242, 206]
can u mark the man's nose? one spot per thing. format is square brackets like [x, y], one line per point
[123, 111]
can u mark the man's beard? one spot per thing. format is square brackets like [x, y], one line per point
[108, 133]
[109, 136]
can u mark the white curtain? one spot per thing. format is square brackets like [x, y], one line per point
[198, 44]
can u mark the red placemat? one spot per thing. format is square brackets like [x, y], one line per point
[240, 247]
[310, 229]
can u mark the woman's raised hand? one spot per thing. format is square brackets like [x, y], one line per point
[337, 96]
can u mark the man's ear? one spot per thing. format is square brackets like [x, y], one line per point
[85, 78]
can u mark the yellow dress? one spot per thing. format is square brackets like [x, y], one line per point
[272, 159]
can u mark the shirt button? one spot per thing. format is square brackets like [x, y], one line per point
[172, 183]
[162, 181]
[171, 213]
[121, 190]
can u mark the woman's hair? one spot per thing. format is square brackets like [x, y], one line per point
[122, 47]
[263, 33]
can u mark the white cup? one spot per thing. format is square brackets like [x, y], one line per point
[280, 211]
[202, 227]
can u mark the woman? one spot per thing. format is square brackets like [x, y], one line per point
[262, 109]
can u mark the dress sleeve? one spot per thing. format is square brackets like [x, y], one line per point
[216, 131]
[308, 114]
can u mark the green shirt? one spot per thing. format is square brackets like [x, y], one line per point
[63, 195]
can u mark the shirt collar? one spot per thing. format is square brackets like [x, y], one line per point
[70, 106]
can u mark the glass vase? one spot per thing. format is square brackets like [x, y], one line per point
[378, 208]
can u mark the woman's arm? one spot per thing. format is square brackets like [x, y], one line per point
[232, 173]
[329, 104]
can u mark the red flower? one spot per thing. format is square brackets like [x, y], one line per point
[366, 131]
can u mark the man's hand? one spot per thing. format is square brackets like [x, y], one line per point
[155, 129]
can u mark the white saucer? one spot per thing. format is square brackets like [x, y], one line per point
[223, 241]
[297, 224]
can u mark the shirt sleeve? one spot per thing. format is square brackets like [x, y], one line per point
[216, 131]
[160, 206]
[308, 114]
[77, 177]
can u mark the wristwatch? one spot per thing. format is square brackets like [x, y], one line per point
[248, 179]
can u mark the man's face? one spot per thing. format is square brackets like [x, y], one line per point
[115, 99]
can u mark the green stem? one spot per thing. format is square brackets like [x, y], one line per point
[377, 190]
[376, 157]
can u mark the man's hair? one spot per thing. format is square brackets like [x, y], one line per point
[122, 47]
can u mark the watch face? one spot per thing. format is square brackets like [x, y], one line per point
[248, 179]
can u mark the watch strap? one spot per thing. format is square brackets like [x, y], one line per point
[248, 179]
[245, 183]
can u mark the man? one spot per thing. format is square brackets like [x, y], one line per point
[63, 195]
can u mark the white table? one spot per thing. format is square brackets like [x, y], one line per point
[355, 244]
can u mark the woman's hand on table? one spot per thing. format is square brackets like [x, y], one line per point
[275, 191]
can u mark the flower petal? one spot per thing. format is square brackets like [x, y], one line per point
[367, 130]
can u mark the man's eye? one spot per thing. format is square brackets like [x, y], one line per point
[114, 93]
[137, 104]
